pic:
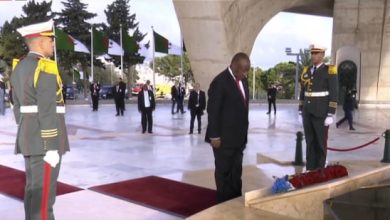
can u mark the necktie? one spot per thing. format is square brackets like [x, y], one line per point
[239, 89]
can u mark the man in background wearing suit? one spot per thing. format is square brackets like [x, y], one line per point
[95, 89]
[227, 129]
[196, 105]
[118, 92]
[180, 97]
[146, 106]
[175, 99]
[271, 95]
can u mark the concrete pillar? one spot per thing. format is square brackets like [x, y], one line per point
[214, 30]
[365, 25]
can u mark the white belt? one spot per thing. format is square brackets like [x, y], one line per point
[34, 109]
[317, 94]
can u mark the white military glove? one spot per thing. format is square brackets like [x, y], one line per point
[329, 120]
[52, 157]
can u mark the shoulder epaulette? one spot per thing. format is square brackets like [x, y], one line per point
[305, 68]
[14, 63]
[332, 70]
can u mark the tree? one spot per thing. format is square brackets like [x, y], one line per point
[170, 66]
[73, 18]
[283, 76]
[258, 85]
[11, 42]
[119, 16]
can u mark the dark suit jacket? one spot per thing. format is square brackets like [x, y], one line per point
[193, 100]
[94, 91]
[174, 93]
[227, 111]
[271, 93]
[141, 100]
[120, 94]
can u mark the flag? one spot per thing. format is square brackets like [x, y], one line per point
[174, 49]
[66, 42]
[161, 44]
[129, 44]
[114, 48]
[145, 51]
[79, 47]
[63, 40]
[100, 42]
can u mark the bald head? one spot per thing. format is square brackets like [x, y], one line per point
[240, 65]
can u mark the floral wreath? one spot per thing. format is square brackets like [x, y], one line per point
[297, 181]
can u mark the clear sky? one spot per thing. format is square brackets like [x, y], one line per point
[283, 30]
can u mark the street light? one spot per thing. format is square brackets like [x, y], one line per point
[289, 53]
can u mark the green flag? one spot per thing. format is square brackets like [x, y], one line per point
[161, 44]
[63, 40]
[100, 42]
[129, 44]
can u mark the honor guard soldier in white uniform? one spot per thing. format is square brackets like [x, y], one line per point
[317, 105]
[39, 112]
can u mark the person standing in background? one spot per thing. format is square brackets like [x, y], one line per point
[348, 107]
[180, 97]
[118, 92]
[174, 97]
[95, 90]
[271, 95]
[146, 106]
[196, 105]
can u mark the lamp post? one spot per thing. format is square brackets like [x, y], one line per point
[289, 53]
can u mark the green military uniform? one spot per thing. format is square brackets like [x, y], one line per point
[318, 99]
[39, 112]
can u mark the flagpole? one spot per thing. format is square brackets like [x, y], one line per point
[55, 44]
[154, 72]
[254, 83]
[181, 59]
[92, 52]
[121, 39]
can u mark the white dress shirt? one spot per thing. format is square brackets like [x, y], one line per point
[241, 85]
[146, 99]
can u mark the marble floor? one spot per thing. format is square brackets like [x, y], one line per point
[107, 149]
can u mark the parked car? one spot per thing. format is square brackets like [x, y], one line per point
[71, 92]
[106, 92]
[136, 88]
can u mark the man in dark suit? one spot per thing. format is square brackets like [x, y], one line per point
[118, 91]
[227, 129]
[196, 105]
[146, 105]
[180, 97]
[317, 105]
[271, 95]
[348, 107]
[95, 90]
[174, 95]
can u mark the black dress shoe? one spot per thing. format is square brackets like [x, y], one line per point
[198, 132]
[191, 132]
[267, 113]
[352, 129]
[117, 115]
[150, 132]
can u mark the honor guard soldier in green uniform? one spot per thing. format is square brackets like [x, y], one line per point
[317, 105]
[39, 112]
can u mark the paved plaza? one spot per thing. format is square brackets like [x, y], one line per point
[107, 149]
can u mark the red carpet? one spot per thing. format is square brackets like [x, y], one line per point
[12, 183]
[166, 195]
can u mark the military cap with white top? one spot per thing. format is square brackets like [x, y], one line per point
[317, 48]
[37, 30]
